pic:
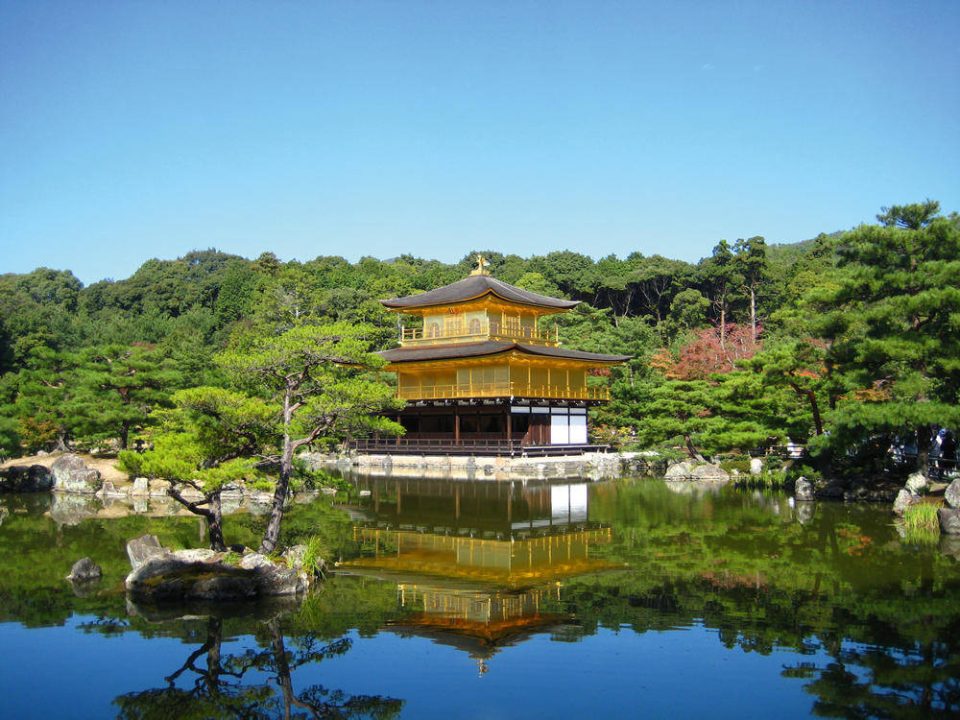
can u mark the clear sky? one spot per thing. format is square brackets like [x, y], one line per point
[137, 129]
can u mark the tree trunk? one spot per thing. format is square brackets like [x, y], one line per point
[723, 327]
[213, 515]
[694, 453]
[815, 409]
[753, 313]
[814, 406]
[924, 436]
[215, 525]
[271, 536]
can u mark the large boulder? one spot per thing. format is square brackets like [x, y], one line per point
[168, 576]
[161, 575]
[756, 466]
[25, 478]
[905, 499]
[952, 493]
[949, 521]
[690, 470]
[71, 475]
[141, 549]
[803, 490]
[917, 483]
[84, 570]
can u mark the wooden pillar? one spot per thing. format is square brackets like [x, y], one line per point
[509, 424]
[456, 424]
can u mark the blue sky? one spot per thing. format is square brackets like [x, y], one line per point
[135, 129]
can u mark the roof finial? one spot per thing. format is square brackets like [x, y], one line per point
[482, 265]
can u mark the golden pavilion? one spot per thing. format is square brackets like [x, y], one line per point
[481, 370]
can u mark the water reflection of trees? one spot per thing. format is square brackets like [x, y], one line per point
[833, 583]
[213, 684]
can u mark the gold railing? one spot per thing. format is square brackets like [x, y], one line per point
[486, 331]
[501, 389]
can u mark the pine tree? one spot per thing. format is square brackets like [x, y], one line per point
[894, 329]
[318, 380]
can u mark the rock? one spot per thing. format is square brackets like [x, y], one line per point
[141, 549]
[158, 488]
[158, 574]
[71, 475]
[294, 556]
[84, 570]
[833, 491]
[195, 555]
[803, 490]
[679, 471]
[756, 466]
[279, 580]
[25, 478]
[109, 490]
[712, 473]
[188, 492]
[917, 483]
[905, 499]
[952, 494]
[3, 514]
[950, 545]
[689, 470]
[141, 487]
[254, 561]
[165, 576]
[949, 521]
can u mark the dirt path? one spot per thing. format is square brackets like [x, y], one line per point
[107, 466]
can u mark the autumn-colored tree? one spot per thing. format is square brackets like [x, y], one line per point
[708, 353]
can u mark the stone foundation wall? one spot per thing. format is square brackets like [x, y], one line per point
[594, 466]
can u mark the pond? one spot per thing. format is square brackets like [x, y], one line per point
[498, 600]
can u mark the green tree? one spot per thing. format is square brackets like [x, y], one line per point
[319, 380]
[751, 259]
[893, 329]
[722, 277]
[115, 388]
[209, 444]
[798, 365]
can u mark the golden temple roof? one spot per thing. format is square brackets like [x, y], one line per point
[475, 287]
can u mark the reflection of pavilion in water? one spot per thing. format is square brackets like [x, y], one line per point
[508, 533]
[476, 563]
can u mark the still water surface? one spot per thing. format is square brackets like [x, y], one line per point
[498, 600]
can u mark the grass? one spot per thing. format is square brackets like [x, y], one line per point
[313, 558]
[920, 523]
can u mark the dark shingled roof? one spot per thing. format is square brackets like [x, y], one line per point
[491, 347]
[473, 287]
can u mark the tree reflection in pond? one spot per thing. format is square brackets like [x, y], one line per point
[211, 684]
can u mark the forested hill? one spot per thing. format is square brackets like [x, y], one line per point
[749, 347]
[212, 290]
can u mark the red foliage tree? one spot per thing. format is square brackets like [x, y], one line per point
[705, 355]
